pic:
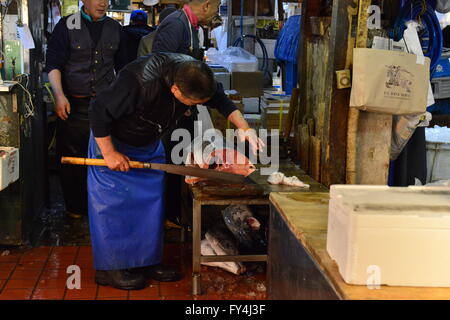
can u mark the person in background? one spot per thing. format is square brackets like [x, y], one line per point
[146, 43]
[135, 31]
[179, 33]
[81, 62]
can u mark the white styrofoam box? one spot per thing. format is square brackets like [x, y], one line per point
[251, 105]
[270, 47]
[9, 166]
[241, 66]
[401, 234]
[438, 161]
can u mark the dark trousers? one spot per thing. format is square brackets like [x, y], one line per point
[175, 182]
[72, 140]
[412, 162]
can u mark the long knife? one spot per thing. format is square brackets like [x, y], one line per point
[170, 168]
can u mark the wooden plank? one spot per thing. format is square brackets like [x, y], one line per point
[304, 147]
[367, 132]
[334, 139]
[306, 214]
[315, 145]
[293, 105]
[373, 148]
[311, 127]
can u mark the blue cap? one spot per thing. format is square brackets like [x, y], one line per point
[139, 15]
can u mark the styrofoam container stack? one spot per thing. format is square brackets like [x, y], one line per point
[401, 233]
[9, 166]
[438, 153]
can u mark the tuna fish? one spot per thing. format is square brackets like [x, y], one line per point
[207, 250]
[244, 226]
[223, 245]
[213, 155]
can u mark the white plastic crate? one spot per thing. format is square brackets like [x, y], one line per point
[9, 166]
[438, 161]
[399, 235]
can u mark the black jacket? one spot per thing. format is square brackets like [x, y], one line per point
[138, 108]
[173, 35]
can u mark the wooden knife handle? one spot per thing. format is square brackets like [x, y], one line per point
[98, 162]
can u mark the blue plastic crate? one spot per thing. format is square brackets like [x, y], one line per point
[443, 68]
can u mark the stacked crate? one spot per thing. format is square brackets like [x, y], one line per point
[274, 111]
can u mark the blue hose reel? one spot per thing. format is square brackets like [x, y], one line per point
[424, 12]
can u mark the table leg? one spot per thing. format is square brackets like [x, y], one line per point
[196, 253]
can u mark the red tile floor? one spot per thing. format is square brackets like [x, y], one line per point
[40, 273]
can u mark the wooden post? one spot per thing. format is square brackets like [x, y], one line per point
[369, 134]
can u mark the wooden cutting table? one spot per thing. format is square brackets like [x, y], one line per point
[299, 266]
[202, 198]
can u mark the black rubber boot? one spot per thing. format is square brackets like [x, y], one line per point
[160, 273]
[121, 279]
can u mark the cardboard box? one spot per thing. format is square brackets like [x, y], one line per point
[248, 84]
[9, 166]
[251, 105]
[224, 78]
[220, 122]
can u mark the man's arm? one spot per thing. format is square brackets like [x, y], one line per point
[62, 105]
[114, 160]
[58, 52]
[226, 107]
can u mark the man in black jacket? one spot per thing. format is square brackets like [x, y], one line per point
[126, 207]
[83, 53]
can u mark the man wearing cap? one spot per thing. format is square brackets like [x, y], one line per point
[83, 53]
[135, 31]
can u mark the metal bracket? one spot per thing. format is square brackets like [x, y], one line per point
[343, 79]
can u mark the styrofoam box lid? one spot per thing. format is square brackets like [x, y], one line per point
[382, 206]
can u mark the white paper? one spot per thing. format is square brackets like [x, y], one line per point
[25, 37]
[420, 60]
[412, 40]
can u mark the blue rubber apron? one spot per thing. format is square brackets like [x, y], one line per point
[126, 210]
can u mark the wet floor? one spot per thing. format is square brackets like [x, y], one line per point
[40, 271]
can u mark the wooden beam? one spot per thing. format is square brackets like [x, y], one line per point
[369, 134]
[334, 140]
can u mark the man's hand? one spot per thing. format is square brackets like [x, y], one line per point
[62, 107]
[117, 161]
[252, 138]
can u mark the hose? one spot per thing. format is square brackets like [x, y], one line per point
[423, 12]
[239, 42]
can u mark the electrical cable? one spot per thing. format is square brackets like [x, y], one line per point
[239, 42]
[29, 105]
[424, 13]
